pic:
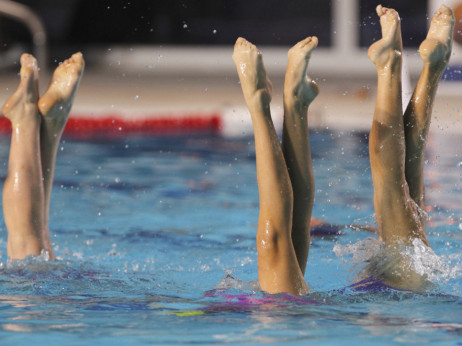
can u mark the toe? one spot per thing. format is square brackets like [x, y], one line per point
[314, 41]
[445, 10]
[306, 41]
[77, 56]
[241, 41]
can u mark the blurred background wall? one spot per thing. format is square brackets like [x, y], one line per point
[344, 27]
[152, 58]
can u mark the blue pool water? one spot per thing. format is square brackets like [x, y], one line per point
[156, 240]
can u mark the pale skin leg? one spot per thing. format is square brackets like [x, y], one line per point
[35, 137]
[435, 51]
[299, 92]
[396, 212]
[23, 193]
[278, 266]
[55, 106]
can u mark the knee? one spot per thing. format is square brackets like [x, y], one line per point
[275, 222]
[267, 237]
[271, 238]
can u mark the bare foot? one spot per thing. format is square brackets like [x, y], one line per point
[23, 103]
[56, 103]
[298, 86]
[435, 50]
[388, 49]
[255, 84]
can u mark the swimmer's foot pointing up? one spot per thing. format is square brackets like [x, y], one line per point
[435, 50]
[385, 51]
[255, 84]
[23, 103]
[298, 86]
[56, 103]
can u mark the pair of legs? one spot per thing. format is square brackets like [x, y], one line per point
[37, 125]
[284, 174]
[397, 140]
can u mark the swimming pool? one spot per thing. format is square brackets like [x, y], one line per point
[156, 240]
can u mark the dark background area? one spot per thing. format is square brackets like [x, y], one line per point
[413, 15]
[81, 23]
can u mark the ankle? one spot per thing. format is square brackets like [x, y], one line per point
[29, 123]
[296, 106]
[259, 100]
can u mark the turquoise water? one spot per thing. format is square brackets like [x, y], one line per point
[156, 245]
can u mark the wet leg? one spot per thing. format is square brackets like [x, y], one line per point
[23, 194]
[278, 269]
[299, 92]
[435, 51]
[396, 213]
[54, 106]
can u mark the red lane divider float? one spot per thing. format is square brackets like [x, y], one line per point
[113, 125]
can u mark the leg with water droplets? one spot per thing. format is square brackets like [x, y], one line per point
[278, 269]
[299, 92]
[23, 194]
[397, 214]
[435, 51]
[55, 106]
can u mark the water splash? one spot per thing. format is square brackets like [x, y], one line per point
[231, 282]
[30, 261]
[412, 267]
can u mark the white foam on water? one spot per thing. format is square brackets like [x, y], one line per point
[414, 267]
[231, 282]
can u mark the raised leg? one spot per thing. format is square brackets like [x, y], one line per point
[23, 194]
[397, 214]
[435, 51]
[55, 106]
[278, 269]
[299, 92]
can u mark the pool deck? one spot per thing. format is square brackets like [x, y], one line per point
[342, 104]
